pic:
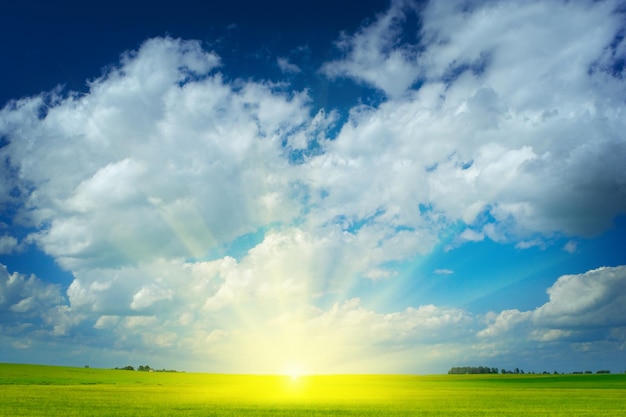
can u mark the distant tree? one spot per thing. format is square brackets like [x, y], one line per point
[472, 370]
[603, 371]
[503, 371]
[516, 370]
[86, 366]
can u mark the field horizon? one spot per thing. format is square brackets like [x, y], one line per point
[32, 389]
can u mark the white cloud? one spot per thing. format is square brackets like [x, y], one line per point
[27, 294]
[471, 236]
[286, 66]
[471, 140]
[281, 324]
[169, 158]
[156, 165]
[595, 298]
[570, 246]
[444, 271]
[8, 244]
[582, 322]
[28, 303]
[375, 56]
[149, 295]
[347, 337]
[533, 243]
[104, 322]
[505, 322]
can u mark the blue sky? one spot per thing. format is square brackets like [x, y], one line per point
[268, 187]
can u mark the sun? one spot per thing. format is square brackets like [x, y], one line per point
[294, 371]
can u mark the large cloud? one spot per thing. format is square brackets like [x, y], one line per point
[596, 298]
[271, 325]
[164, 156]
[519, 117]
[160, 156]
[584, 317]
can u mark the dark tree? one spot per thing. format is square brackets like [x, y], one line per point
[473, 370]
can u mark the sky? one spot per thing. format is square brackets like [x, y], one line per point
[314, 187]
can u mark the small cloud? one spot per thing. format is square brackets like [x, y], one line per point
[526, 244]
[25, 305]
[106, 321]
[376, 273]
[18, 344]
[444, 271]
[470, 235]
[287, 67]
[570, 246]
[8, 244]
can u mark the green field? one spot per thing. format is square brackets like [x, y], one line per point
[32, 390]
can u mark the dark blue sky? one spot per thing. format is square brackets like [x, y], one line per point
[68, 42]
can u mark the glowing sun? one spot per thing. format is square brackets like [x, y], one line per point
[293, 371]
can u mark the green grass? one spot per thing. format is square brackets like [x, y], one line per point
[31, 390]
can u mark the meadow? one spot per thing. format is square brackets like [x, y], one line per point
[35, 390]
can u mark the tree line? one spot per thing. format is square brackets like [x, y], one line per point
[143, 368]
[472, 370]
[487, 370]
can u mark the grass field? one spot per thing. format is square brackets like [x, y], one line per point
[32, 390]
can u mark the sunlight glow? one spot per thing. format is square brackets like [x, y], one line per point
[294, 371]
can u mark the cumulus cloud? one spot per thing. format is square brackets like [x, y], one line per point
[476, 142]
[29, 303]
[142, 185]
[585, 308]
[595, 298]
[27, 294]
[165, 157]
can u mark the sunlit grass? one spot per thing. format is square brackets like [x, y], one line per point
[52, 391]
